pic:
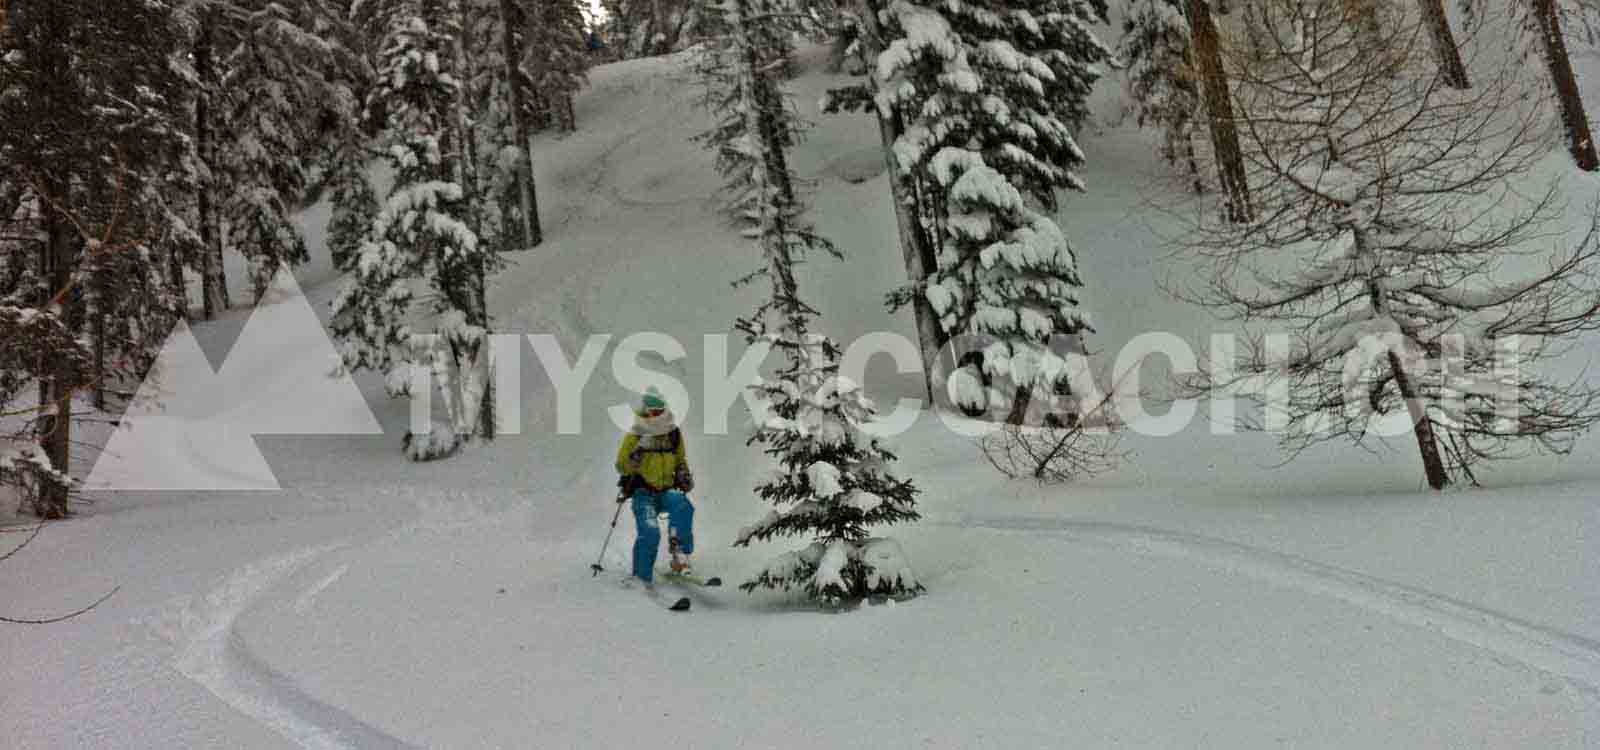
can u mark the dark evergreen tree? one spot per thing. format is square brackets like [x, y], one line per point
[556, 60]
[832, 482]
[91, 144]
[274, 83]
[427, 231]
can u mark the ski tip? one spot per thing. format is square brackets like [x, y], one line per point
[713, 582]
[681, 605]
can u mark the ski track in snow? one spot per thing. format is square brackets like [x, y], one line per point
[1515, 641]
[216, 656]
[303, 603]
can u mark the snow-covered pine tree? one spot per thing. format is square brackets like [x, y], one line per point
[426, 232]
[343, 153]
[995, 90]
[91, 141]
[831, 483]
[270, 75]
[643, 28]
[355, 203]
[1162, 88]
[259, 158]
[869, 37]
[1397, 244]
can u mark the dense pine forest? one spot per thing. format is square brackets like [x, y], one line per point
[999, 295]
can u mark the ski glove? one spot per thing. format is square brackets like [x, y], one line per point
[684, 479]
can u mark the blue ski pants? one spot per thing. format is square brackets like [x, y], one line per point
[647, 506]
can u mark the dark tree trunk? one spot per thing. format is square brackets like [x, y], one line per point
[1451, 68]
[1019, 406]
[1219, 111]
[527, 190]
[1186, 147]
[97, 319]
[55, 390]
[1580, 141]
[768, 99]
[657, 28]
[213, 279]
[1422, 426]
[776, 144]
[175, 282]
[915, 249]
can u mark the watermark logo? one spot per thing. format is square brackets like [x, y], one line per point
[192, 428]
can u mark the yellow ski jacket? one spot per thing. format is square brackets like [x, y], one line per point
[658, 468]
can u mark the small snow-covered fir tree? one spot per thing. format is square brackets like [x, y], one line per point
[832, 481]
[1395, 244]
[426, 231]
[995, 90]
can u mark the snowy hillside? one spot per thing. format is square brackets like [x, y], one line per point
[1203, 595]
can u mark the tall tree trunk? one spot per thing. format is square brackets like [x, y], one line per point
[767, 99]
[1451, 68]
[476, 302]
[1219, 111]
[1020, 401]
[213, 279]
[761, 120]
[915, 249]
[55, 390]
[657, 28]
[175, 281]
[1422, 426]
[97, 320]
[1579, 139]
[527, 190]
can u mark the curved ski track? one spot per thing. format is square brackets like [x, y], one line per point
[1514, 640]
[216, 655]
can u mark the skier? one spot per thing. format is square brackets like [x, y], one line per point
[655, 474]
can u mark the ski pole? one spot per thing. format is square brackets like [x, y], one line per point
[596, 566]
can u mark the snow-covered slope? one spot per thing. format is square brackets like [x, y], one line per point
[1199, 597]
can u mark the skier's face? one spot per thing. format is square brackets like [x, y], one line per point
[653, 413]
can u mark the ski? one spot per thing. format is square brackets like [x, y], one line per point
[680, 604]
[694, 586]
[692, 580]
